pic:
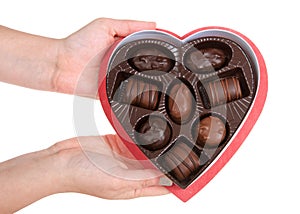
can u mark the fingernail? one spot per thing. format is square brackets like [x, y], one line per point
[164, 181]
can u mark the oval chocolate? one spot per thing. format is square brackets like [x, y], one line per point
[206, 60]
[151, 59]
[180, 104]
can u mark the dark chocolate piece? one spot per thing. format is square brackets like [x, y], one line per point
[182, 161]
[180, 103]
[211, 132]
[154, 133]
[206, 60]
[151, 59]
[139, 93]
[223, 91]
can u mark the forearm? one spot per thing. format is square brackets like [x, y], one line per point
[26, 179]
[27, 60]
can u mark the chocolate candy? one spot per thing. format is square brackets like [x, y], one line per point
[223, 91]
[184, 110]
[180, 103]
[206, 60]
[182, 161]
[153, 133]
[151, 59]
[211, 132]
[139, 93]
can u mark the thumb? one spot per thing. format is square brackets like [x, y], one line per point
[146, 184]
[122, 28]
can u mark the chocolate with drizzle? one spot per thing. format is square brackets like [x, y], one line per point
[139, 93]
[223, 91]
[182, 161]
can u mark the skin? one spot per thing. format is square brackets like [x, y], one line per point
[69, 65]
[99, 166]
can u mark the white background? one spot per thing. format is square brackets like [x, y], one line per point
[263, 175]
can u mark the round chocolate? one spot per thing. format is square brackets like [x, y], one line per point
[139, 93]
[153, 133]
[182, 161]
[211, 132]
[180, 103]
[206, 60]
[151, 59]
[224, 90]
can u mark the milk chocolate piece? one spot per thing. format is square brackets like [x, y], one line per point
[211, 132]
[206, 60]
[182, 161]
[153, 133]
[151, 59]
[139, 93]
[180, 103]
[223, 91]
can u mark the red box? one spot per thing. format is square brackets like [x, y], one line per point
[256, 95]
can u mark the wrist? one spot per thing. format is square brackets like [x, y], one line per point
[68, 67]
[57, 80]
[56, 174]
[62, 169]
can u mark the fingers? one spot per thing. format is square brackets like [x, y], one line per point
[139, 175]
[122, 28]
[141, 178]
[150, 191]
[149, 186]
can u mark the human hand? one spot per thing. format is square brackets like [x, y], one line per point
[103, 167]
[80, 54]
[98, 166]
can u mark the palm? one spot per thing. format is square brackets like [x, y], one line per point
[103, 167]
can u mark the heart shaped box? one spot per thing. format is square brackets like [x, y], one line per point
[245, 69]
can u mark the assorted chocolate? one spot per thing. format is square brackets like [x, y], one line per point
[208, 58]
[149, 58]
[153, 133]
[181, 160]
[211, 131]
[181, 104]
[138, 93]
[223, 91]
